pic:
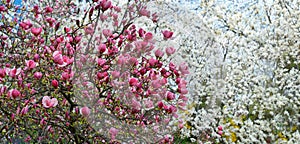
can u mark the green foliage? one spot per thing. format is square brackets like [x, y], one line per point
[182, 140]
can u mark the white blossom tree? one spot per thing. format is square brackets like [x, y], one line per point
[255, 84]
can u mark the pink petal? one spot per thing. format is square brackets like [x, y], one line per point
[85, 111]
[54, 102]
[45, 101]
[56, 53]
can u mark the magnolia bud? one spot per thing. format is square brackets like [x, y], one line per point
[54, 83]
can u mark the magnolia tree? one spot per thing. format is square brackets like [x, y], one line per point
[251, 88]
[85, 73]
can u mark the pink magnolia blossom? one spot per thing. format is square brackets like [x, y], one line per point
[59, 39]
[182, 90]
[3, 89]
[156, 84]
[133, 81]
[115, 74]
[182, 97]
[152, 62]
[172, 66]
[121, 60]
[113, 132]
[117, 9]
[48, 9]
[148, 104]
[89, 30]
[159, 53]
[144, 12]
[170, 51]
[14, 93]
[38, 75]
[101, 75]
[58, 58]
[4, 37]
[154, 17]
[182, 84]
[77, 39]
[54, 83]
[30, 64]
[66, 61]
[167, 34]
[172, 109]
[220, 128]
[18, 110]
[148, 36]
[36, 31]
[160, 104]
[103, 17]
[164, 81]
[51, 21]
[49, 103]
[168, 139]
[133, 61]
[180, 125]
[67, 75]
[36, 57]
[106, 32]
[13, 72]
[12, 117]
[182, 104]
[24, 110]
[61, 60]
[101, 61]
[135, 104]
[170, 96]
[36, 9]
[66, 29]
[57, 26]
[27, 139]
[105, 4]
[43, 121]
[70, 39]
[85, 111]
[220, 132]
[2, 8]
[2, 73]
[41, 40]
[183, 68]
[25, 25]
[141, 45]
[102, 48]
[141, 32]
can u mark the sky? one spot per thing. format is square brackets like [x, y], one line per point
[18, 2]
